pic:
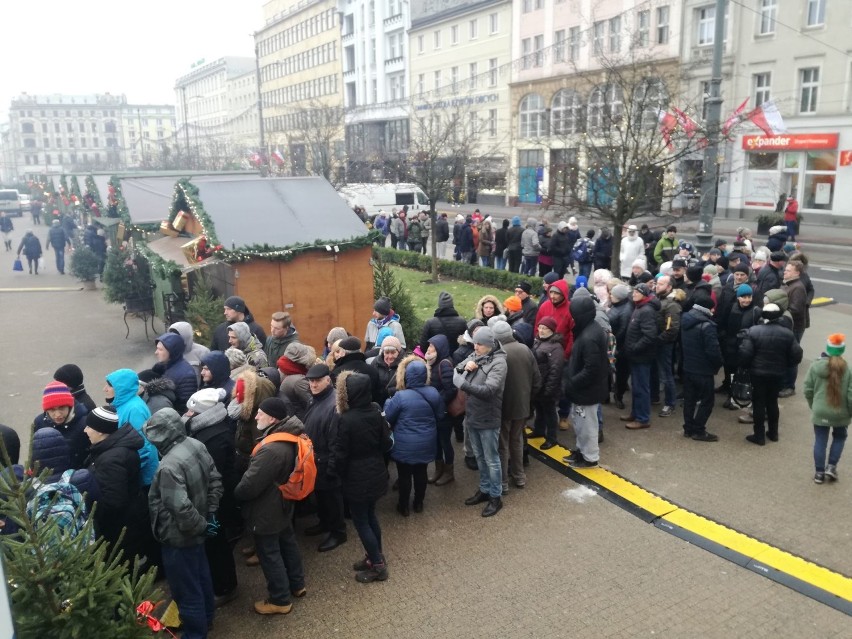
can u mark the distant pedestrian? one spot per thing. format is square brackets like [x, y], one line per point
[58, 240]
[30, 246]
[6, 227]
[828, 389]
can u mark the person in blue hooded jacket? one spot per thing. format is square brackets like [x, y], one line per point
[216, 373]
[122, 391]
[413, 413]
[171, 363]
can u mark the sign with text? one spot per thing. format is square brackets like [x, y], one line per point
[845, 158]
[791, 142]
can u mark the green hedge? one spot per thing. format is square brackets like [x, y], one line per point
[457, 270]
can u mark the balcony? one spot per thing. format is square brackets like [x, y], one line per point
[394, 64]
[393, 20]
[349, 74]
[346, 38]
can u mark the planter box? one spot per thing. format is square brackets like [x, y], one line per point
[490, 200]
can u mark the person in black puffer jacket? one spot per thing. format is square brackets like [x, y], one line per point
[768, 350]
[216, 373]
[641, 341]
[584, 380]
[701, 361]
[619, 319]
[744, 314]
[549, 354]
[446, 321]
[363, 439]
[348, 357]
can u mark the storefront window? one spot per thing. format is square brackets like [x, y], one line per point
[791, 160]
[762, 161]
[822, 160]
[819, 191]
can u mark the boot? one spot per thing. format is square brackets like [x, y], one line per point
[493, 507]
[447, 476]
[376, 572]
[439, 470]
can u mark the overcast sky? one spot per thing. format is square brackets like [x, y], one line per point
[138, 48]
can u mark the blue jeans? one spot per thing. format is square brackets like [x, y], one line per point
[281, 562]
[838, 439]
[485, 445]
[485, 260]
[640, 377]
[530, 265]
[189, 581]
[500, 262]
[367, 524]
[445, 451]
[60, 259]
[585, 269]
[664, 368]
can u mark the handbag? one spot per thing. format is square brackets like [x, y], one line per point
[741, 388]
[17, 266]
[457, 406]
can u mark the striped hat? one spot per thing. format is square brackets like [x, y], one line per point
[56, 394]
[103, 419]
[836, 345]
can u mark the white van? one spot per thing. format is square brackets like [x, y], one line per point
[374, 198]
[10, 202]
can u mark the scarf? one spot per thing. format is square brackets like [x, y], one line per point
[210, 417]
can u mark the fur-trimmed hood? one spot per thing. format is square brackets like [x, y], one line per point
[353, 391]
[477, 310]
[161, 386]
[255, 390]
[412, 372]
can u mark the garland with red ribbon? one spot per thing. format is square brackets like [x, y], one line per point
[143, 612]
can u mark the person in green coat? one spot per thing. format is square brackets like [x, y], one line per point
[828, 389]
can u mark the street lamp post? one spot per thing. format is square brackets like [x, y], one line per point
[261, 129]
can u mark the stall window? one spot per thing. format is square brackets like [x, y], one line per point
[762, 161]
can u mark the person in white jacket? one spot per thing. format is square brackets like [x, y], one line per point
[631, 248]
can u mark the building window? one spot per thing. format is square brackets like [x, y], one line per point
[598, 30]
[526, 49]
[436, 39]
[493, 23]
[420, 44]
[559, 46]
[762, 93]
[27, 127]
[526, 6]
[473, 125]
[648, 98]
[643, 28]
[564, 112]
[768, 13]
[662, 25]
[573, 44]
[614, 34]
[531, 116]
[421, 83]
[538, 50]
[809, 87]
[454, 34]
[473, 67]
[816, 12]
[56, 127]
[492, 72]
[473, 28]
[454, 78]
[438, 82]
[605, 107]
[492, 122]
[706, 23]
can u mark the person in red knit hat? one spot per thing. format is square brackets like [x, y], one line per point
[68, 416]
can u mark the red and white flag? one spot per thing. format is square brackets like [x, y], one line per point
[254, 158]
[734, 118]
[768, 118]
[688, 125]
[668, 123]
[278, 157]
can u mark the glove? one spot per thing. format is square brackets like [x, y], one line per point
[458, 379]
[212, 525]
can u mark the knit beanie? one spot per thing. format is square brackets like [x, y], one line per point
[445, 300]
[581, 282]
[56, 394]
[549, 322]
[484, 336]
[303, 354]
[338, 332]
[526, 287]
[744, 289]
[148, 375]
[70, 375]
[694, 273]
[351, 344]
[516, 220]
[236, 303]
[551, 277]
[501, 331]
[771, 312]
[236, 357]
[382, 306]
[836, 345]
[274, 407]
[640, 262]
[513, 303]
[204, 399]
[643, 290]
[104, 419]
[620, 292]
[392, 342]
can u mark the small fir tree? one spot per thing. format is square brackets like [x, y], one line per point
[127, 275]
[204, 310]
[385, 284]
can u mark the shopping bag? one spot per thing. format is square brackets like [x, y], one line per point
[17, 266]
[741, 388]
[41, 263]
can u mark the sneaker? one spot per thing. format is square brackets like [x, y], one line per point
[819, 478]
[574, 454]
[787, 392]
[730, 405]
[754, 440]
[667, 411]
[831, 472]
[582, 462]
[705, 437]
[637, 425]
[745, 419]
[376, 572]
[266, 607]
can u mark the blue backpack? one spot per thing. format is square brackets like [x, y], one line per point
[582, 251]
[61, 502]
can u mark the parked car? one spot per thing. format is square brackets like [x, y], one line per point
[26, 204]
[10, 202]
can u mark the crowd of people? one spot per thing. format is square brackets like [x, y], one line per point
[190, 455]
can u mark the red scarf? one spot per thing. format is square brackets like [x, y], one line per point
[289, 367]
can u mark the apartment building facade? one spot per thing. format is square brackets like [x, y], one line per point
[299, 56]
[460, 64]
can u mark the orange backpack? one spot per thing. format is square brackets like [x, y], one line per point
[304, 476]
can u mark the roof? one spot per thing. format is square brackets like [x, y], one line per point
[171, 248]
[278, 212]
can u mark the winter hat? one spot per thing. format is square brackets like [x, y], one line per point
[778, 256]
[714, 251]
[148, 375]
[382, 306]
[516, 221]
[549, 322]
[70, 375]
[710, 269]
[304, 354]
[55, 395]
[384, 333]
[835, 345]
[338, 332]
[236, 303]
[687, 246]
[640, 262]
[760, 255]
[204, 399]
[771, 312]
[513, 303]
[720, 242]
[484, 336]
[392, 342]
[459, 218]
[271, 373]
[526, 287]
[562, 225]
[445, 300]
[777, 229]
[12, 442]
[694, 273]
[473, 324]
[551, 277]
[703, 299]
[645, 277]
[531, 222]
[743, 290]
[620, 292]
[502, 332]
[643, 290]
[236, 357]
[274, 407]
[632, 228]
[351, 343]
[419, 352]
[723, 262]
[581, 282]
[736, 255]
[740, 268]
[678, 262]
[104, 419]
[494, 319]
[317, 371]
